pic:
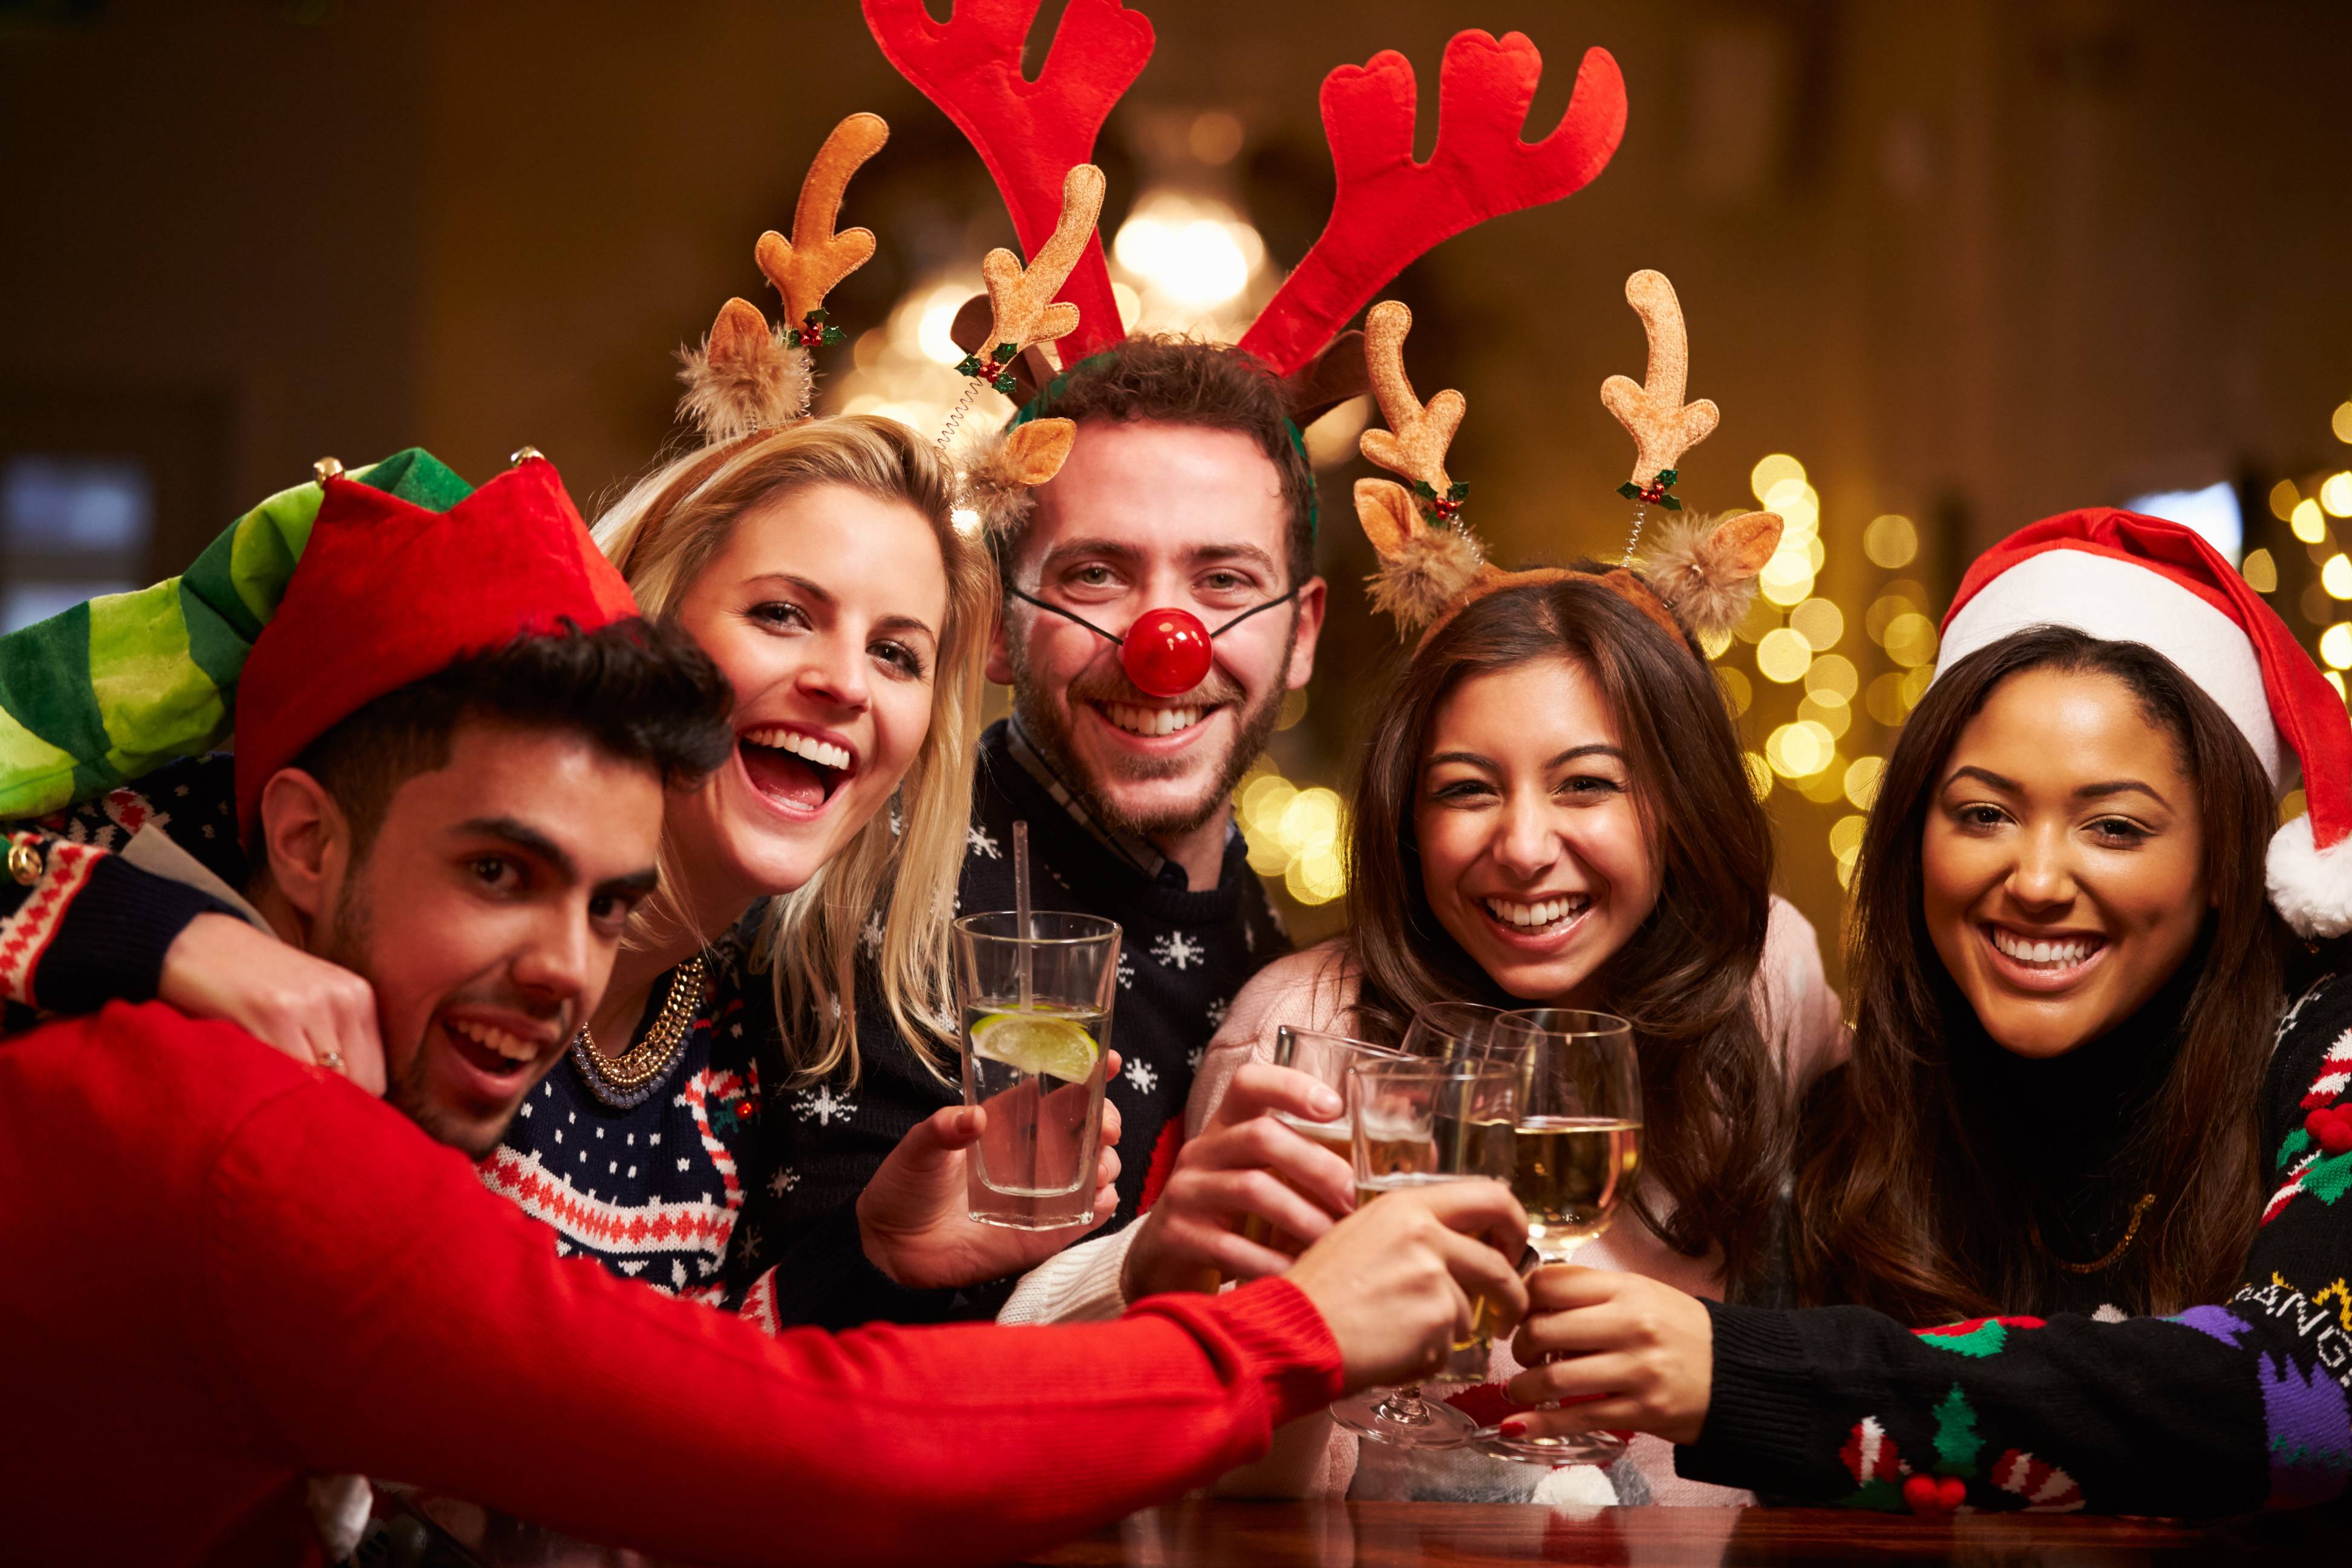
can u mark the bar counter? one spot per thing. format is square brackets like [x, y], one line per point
[1469, 1535]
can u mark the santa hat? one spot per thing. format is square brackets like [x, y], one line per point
[387, 593]
[2128, 578]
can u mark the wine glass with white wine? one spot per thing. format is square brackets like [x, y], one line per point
[1419, 1121]
[1577, 1155]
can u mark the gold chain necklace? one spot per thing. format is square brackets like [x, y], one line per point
[2131, 1233]
[627, 1080]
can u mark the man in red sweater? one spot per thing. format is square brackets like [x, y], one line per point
[233, 1270]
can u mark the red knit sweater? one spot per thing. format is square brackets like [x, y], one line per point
[228, 1270]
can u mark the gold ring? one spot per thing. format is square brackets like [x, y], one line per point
[332, 1060]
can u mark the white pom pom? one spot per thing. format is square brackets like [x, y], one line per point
[2311, 887]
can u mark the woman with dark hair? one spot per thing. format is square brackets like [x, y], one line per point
[1553, 811]
[2070, 1091]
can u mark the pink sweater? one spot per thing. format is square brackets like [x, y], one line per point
[1308, 990]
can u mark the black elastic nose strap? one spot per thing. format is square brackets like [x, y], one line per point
[1122, 642]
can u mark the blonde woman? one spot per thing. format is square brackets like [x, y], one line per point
[819, 565]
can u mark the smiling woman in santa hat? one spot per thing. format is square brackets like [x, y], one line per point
[2071, 1087]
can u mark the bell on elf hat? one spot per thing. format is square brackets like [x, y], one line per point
[2129, 578]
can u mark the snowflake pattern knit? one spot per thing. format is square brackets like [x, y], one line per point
[1183, 955]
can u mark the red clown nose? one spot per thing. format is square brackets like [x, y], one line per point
[1166, 652]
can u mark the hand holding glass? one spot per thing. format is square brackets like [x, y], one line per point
[1036, 1004]
[1416, 1122]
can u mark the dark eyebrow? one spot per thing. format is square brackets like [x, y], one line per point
[1590, 749]
[1987, 774]
[2087, 792]
[2120, 786]
[1068, 548]
[633, 887]
[1471, 759]
[1208, 554]
[523, 836]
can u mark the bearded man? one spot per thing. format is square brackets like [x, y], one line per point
[1187, 487]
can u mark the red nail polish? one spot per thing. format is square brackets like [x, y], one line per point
[1515, 1430]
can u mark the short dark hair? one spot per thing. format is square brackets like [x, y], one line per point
[644, 693]
[1184, 381]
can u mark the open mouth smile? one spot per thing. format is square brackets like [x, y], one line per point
[497, 1053]
[795, 767]
[1539, 918]
[2042, 963]
[1153, 723]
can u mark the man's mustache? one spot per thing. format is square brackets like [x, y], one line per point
[1099, 685]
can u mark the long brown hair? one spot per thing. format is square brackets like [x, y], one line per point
[1717, 1113]
[1902, 1201]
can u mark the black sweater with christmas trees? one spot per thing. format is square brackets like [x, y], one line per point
[2214, 1411]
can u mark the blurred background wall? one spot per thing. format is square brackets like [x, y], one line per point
[1948, 266]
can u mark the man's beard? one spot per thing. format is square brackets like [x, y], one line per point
[346, 942]
[1048, 728]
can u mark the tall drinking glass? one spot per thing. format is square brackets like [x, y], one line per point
[1418, 1122]
[1579, 1153]
[1036, 1029]
[1324, 1057]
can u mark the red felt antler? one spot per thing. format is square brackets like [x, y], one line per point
[1389, 210]
[1030, 134]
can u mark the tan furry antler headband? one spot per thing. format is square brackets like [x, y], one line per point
[1003, 468]
[1697, 583]
[748, 377]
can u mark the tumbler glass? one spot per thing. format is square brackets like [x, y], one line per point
[1036, 1007]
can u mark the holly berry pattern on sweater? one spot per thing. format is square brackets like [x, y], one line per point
[2218, 1410]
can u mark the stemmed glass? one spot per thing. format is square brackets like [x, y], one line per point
[1417, 1122]
[1578, 1151]
[1450, 1031]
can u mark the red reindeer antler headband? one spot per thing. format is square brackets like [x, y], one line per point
[1388, 211]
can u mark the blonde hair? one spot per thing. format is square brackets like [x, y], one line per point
[904, 865]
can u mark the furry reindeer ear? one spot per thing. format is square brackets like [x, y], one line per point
[745, 376]
[1424, 571]
[1005, 467]
[1706, 571]
[748, 376]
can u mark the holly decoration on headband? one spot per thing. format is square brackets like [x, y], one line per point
[995, 370]
[1441, 509]
[1654, 492]
[817, 331]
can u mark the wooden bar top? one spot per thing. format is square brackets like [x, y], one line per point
[1466, 1535]
[1469, 1535]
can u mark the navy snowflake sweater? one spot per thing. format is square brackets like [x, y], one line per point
[1184, 956]
[2218, 1410]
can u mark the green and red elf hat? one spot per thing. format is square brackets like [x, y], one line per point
[102, 693]
[388, 593]
[2129, 578]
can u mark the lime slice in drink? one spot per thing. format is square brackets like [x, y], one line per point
[1037, 1043]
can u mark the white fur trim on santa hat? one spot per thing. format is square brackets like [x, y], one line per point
[2125, 600]
[2312, 888]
